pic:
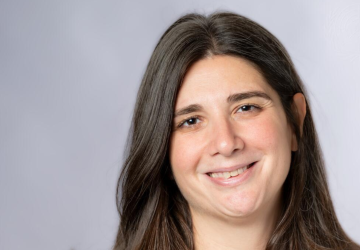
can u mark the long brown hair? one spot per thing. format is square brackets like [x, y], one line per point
[153, 213]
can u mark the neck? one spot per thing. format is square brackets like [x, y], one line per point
[252, 232]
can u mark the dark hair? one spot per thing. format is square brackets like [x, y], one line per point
[154, 214]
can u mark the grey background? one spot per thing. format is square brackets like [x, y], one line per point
[69, 72]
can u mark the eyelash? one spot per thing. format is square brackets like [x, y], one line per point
[248, 105]
[186, 120]
[180, 124]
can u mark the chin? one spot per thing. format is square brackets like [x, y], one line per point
[243, 205]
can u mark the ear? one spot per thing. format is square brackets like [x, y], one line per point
[300, 105]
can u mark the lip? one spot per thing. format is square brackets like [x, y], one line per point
[233, 181]
[219, 170]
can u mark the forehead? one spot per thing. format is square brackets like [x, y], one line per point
[219, 77]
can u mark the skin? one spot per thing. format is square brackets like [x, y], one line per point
[218, 134]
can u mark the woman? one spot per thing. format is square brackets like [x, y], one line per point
[223, 152]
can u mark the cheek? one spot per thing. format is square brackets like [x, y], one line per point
[272, 136]
[184, 154]
[265, 133]
[184, 159]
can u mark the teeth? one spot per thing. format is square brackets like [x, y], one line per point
[227, 175]
[234, 173]
[241, 170]
[213, 175]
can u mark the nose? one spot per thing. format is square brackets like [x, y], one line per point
[225, 138]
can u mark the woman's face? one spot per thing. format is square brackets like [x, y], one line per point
[230, 150]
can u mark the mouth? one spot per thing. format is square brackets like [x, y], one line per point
[230, 174]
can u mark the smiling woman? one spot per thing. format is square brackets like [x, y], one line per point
[223, 152]
[233, 161]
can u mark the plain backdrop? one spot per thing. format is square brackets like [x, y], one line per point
[69, 73]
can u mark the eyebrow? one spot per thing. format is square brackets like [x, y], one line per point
[231, 99]
[246, 95]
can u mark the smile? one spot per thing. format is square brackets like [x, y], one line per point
[227, 175]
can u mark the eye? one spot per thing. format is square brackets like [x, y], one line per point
[247, 108]
[189, 122]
